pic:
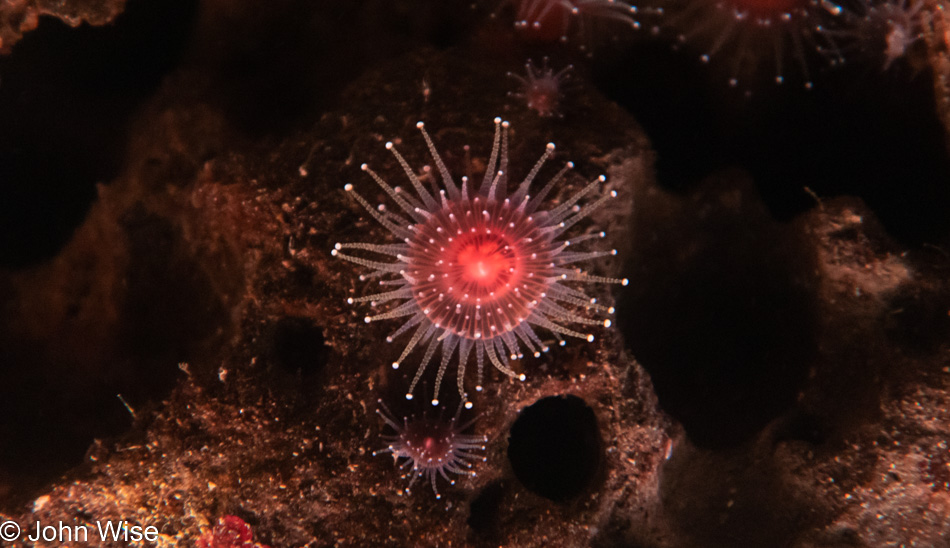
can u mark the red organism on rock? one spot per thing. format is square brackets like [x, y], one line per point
[230, 532]
[479, 267]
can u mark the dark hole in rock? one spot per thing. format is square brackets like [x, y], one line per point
[66, 96]
[555, 447]
[298, 345]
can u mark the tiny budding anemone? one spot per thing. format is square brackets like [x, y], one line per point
[890, 28]
[478, 268]
[432, 446]
[541, 89]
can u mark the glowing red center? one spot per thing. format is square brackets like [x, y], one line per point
[429, 441]
[478, 267]
[542, 96]
[483, 263]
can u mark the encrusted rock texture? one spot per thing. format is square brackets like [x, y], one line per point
[188, 357]
[18, 17]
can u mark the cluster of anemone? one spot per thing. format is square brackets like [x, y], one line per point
[475, 271]
[745, 38]
[481, 271]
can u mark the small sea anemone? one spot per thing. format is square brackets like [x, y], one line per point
[479, 268]
[890, 28]
[541, 89]
[746, 34]
[433, 446]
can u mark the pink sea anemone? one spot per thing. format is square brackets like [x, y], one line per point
[478, 268]
[432, 446]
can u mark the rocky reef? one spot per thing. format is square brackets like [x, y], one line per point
[178, 352]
